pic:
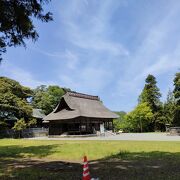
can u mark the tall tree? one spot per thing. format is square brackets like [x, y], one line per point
[14, 100]
[118, 122]
[16, 21]
[47, 98]
[140, 118]
[151, 95]
[176, 91]
[169, 108]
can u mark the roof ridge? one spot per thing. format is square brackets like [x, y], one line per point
[81, 95]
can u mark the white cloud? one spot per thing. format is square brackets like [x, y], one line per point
[72, 59]
[69, 58]
[24, 77]
[91, 31]
[88, 80]
[152, 56]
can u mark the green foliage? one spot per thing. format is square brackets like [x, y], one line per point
[16, 21]
[13, 99]
[3, 124]
[177, 87]
[159, 119]
[151, 114]
[47, 98]
[20, 125]
[32, 122]
[176, 120]
[169, 108]
[151, 95]
[118, 122]
[140, 118]
[124, 125]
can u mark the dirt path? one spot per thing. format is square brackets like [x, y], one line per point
[123, 136]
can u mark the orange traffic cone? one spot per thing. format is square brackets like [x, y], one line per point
[86, 174]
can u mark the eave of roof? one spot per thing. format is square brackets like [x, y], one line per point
[37, 113]
[81, 106]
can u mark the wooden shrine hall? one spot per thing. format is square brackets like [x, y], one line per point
[78, 114]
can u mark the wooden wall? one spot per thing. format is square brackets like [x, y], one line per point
[80, 125]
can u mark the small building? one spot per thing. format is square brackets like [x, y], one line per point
[38, 115]
[78, 114]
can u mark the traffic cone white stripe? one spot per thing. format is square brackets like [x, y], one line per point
[85, 174]
[84, 163]
[86, 168]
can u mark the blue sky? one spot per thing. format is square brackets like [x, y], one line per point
[102, 47]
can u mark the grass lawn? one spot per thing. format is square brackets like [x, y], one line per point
[33, 159]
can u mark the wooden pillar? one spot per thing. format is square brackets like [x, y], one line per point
[90, 126]
[112, 126]
[80, 126]
[86, 125]
[68, 127]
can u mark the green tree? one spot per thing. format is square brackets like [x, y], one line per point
[47, 98]
[169, 108]
[118, 122]
[14, 100]
[151, 95]
[176, 120]
[159, 119]
[31, 122]
[19, 126]
[16, 21]
[140, 118]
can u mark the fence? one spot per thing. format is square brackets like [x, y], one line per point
[174, 131]
[35, 132]
[27, 133]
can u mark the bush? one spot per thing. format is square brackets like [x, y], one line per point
[19, 126]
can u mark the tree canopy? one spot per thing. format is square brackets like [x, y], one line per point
[151, 95]
[176, 120]
[169, 108]
[16, 21]
[140, 118]
[47, 98]
[14, 99]
[118, 122]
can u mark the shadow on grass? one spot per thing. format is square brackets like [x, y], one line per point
[123, 165]
[138, 165]
[25, 169]
[142, 155]
[15, 151]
